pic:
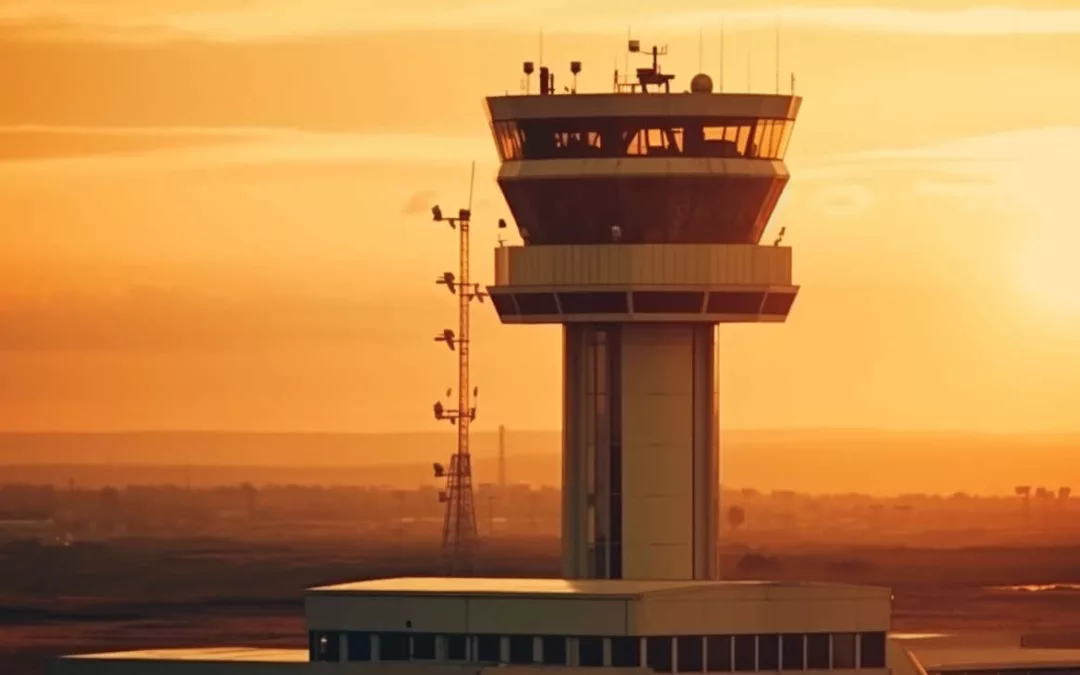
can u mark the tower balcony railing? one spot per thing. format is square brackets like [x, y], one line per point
[643, 265]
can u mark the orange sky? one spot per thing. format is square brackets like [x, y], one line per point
[213, 214]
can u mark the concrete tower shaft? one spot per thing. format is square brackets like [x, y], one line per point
[641, 467]
[641, 217]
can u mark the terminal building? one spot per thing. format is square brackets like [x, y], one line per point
[641, 212]
[475, 626]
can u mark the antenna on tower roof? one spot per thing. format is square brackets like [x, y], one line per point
[541, 61]
[472, 184]
[777, 54]
[721, 87]
[749, 81]
[701, 50]
[528, 67]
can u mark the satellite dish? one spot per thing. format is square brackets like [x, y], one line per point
[701, 84]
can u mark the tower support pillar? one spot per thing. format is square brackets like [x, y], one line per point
[640, 451]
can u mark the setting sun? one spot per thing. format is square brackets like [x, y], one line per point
[1049, 274]
[1042, 191]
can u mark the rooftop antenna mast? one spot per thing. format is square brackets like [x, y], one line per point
[749, 79]
[701, 50]
[651, 76]
[777, 54]
[459, 522]
[721, 87]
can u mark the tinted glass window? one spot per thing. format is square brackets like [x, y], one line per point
[456, 647]
[690, 649]
[324, 646]
[423, 646]
[872, 650]
[582, 138]
[658, 654]
[817, 651]
[521, 649]
[843, 650]
[625, 652]
[768, 652]
[488, 648]
[791, 652]
[553, 650]
[591, 652]
[359, 645]
[393, 646]
[745, 653]
[718, 649]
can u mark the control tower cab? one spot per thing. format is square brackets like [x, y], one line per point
[641, 213]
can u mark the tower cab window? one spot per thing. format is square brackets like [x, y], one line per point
[583, 138]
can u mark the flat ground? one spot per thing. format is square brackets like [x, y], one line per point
[135, 594]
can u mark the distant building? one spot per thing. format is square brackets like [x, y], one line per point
[39, 531]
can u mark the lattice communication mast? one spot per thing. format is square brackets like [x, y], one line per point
[459, 523]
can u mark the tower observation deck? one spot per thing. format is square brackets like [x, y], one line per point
[641, 215]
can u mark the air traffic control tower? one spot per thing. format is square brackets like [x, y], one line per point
[641, 213]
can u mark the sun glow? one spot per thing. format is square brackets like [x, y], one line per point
[1049, 252]
[1050, 270]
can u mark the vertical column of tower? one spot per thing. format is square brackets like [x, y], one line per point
[640, 453]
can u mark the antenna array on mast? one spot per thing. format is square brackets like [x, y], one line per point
[459, 522]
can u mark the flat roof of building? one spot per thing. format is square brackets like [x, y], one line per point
[205, 654]
[615, 588]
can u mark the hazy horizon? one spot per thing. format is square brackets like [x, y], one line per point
[842, 461]
[478, 429]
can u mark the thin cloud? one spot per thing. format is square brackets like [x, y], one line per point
[988, 154]
[957, 22]
[1010, 177]
[272, 19]
[1001, 147]
[197, 148]
[156, 318]
[35, 142]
